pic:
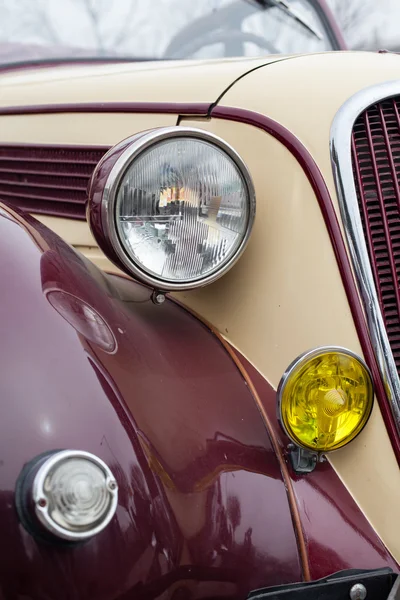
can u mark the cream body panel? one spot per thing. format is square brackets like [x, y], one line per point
[162, 81]
[286, 296]
[76, 232]
[367, 466]
[68, 128]
[304, 94]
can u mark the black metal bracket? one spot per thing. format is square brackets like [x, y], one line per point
[303, 461]
[353, 584]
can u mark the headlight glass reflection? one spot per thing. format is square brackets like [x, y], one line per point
[182, 210]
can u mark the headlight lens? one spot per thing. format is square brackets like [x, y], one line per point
[182, 210]
[325, 399]
[179, 207]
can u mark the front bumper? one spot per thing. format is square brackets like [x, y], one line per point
[353, 584]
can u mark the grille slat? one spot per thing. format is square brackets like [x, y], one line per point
[44, 182]
[376, 167]
[368, 230]
[71, 211]
[49, 180]
[39, 170]
[45, 195]
[66, 160]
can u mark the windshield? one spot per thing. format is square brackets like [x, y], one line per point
[154, 29]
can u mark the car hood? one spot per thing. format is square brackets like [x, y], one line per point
[161, 81]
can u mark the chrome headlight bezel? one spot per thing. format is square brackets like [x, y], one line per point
[121, 157]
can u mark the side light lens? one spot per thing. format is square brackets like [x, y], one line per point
[75, 495]
[325, 399]
[83, 318]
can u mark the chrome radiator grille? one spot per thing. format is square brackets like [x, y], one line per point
[376, 166]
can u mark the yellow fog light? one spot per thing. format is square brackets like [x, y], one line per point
[325, 399]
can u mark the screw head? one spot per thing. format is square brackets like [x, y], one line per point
[42, 502]
[158, 298]
[112, 485]
[358, 592]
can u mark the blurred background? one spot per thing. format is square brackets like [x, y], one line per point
[369, 24]
[40, 29]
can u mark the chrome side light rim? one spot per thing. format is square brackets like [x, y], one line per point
[341, 158]
[116, 175]
[41, 503]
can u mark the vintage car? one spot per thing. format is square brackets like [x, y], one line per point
[199, 304]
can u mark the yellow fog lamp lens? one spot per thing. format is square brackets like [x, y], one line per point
[325, 399]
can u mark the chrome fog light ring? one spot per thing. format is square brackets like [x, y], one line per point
[325, 399]
[98, 504]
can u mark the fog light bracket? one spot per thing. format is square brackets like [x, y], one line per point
[303, 461]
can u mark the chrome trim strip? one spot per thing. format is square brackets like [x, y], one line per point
[340, 146]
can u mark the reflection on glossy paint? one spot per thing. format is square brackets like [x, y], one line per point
[46, 426]
[149, 516]
[84, 318]
[197, 516]
[212, 520]
[64, 291]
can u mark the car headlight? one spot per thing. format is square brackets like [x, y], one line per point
[325, 399]
[173, 206]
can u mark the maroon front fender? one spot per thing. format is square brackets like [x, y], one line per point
[88, 362]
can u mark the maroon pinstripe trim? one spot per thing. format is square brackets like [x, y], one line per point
[175, 108]
[321, 191]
